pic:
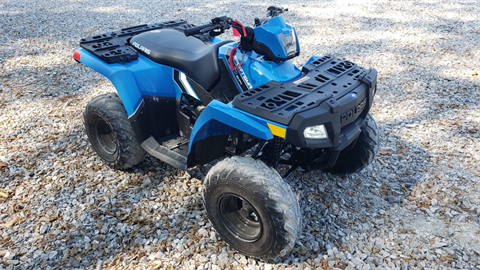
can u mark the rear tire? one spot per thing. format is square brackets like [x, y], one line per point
[252, 208]
[110, 133]
[362, 153]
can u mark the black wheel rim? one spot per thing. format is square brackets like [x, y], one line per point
[105, 137]
[240, 218]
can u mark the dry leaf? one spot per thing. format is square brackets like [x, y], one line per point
[3, 164]
[11, 222]
[53, 217]
[157, 265]
[384, 151]
[324, 264]
[100, 225]
[448, 258]
[64, 97]
[3, 193]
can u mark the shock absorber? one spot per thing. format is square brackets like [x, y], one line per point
[272, 151]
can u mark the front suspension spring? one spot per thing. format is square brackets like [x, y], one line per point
[272, 151]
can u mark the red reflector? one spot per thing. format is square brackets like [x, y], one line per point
[76, 55]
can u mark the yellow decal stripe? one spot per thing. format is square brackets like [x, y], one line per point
[276, 130]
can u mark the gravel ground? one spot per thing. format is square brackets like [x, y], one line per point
[416, 207]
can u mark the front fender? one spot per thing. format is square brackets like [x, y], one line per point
[219, 119]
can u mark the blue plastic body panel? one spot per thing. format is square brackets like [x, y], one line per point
[313, 58]
[134, 79]
[220, 118]
[256, 71]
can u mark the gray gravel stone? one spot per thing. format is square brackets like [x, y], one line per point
[203, 232]
[394, 199]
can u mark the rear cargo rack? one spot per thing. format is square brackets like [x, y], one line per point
[113, 47]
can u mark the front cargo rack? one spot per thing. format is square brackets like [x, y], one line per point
[326, 78]
[113, 47]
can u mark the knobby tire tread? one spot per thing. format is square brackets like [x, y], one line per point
[287, 222]
[110, 107]
[362, 154]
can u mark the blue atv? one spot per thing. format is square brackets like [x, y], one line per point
[188, 97]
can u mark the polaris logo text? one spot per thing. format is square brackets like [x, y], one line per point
[353, 113]
[141, 48]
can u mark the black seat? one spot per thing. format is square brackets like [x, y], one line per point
[196, 59]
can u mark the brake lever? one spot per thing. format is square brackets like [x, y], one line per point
[224, 21]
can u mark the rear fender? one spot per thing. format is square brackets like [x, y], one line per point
[133, 79]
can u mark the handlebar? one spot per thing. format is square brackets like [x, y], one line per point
[196, 30]
[215, 28]
[220, 24]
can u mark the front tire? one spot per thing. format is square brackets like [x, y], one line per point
[110, 133]
[252, 208]
[362, 153]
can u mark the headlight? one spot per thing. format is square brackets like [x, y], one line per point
[316, 132]
[289, 42]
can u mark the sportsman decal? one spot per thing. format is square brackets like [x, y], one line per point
[241, 72]
[239, 75]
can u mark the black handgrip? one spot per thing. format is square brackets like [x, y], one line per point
[196, 30]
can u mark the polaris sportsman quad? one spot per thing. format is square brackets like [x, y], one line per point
[188, 97]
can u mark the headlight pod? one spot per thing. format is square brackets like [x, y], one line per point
[316, 132]
[289, 42]
[275, 40]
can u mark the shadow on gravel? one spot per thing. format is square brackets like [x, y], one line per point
[347, 215]
[36, 83]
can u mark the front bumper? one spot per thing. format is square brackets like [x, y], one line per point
[342, 118]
